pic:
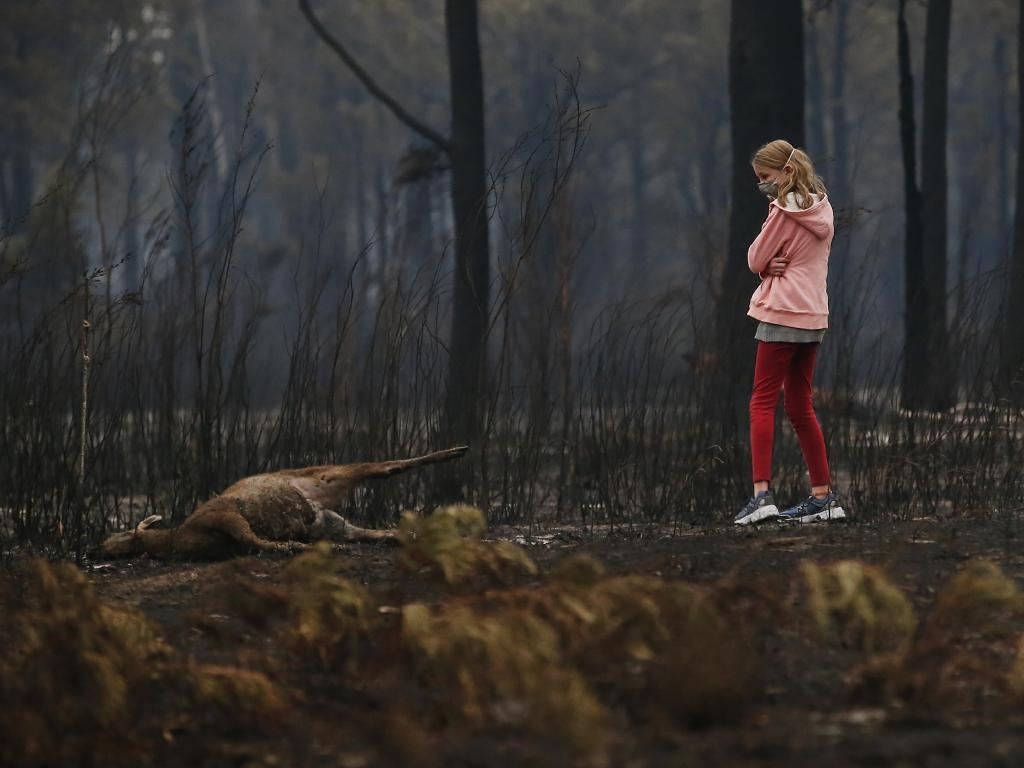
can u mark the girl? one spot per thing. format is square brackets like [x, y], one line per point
[791, 257]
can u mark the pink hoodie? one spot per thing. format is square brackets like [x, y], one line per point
[797, 298]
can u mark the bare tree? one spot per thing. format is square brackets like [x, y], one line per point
[941, 387]
[1013, 339]
[915, 326]
[465, 151]
[839, 182]
[928, 380]
[766, 95]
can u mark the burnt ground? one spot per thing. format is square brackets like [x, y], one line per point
[805, 713]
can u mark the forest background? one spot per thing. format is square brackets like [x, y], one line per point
[224, 253]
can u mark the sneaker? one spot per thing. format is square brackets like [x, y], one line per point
[813, 509]
[758, 508]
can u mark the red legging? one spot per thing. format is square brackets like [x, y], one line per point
[783, 365]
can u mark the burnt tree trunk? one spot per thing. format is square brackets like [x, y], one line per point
[5, 200]
[640, 222]
[1000, 109]
[915, 316]
[21, 195]
[817, 143]
[132, 242]
[1013, 338]
[469, 203]
[417, 235]
[840, 185]
[940, 380]
[839, 182]
[766, 97]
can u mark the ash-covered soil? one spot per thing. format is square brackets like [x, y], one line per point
[808, 704]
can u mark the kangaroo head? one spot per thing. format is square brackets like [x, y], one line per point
[130, 542]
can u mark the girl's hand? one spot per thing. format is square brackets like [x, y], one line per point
[777, 266]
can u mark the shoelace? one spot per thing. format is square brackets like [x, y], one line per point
[813, 502]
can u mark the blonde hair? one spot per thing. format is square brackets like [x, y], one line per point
[804, 182]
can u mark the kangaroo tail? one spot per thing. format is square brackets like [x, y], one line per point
[388, 468]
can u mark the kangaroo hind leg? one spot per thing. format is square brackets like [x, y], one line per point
[333, 527]
[238, 528]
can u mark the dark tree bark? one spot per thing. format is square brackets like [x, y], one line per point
[817, 143]
[915, 315]
[19, 185]
[1013, 338]
[939, 373]
[929, 382]
[640, 223]
[382, 266]
[22, 192]
[469, 202]
[999, 107]
[363, 224]
[132, 242]
[5, 199]
[417, 236]
[838, 182]
[766, 96]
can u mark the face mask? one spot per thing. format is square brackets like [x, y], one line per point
[770, 189]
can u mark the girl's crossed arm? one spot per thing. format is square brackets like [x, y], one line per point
[767, 244]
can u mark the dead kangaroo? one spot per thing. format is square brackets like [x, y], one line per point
[276, 512]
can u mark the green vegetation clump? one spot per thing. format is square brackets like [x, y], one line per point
[1015, 679]
[502, 669]
[957, 658]
[666, 645]
[312, 609]
[69, 665]
[446, 546]
[961, 654]
[235, 700]
[581, 570]
[857, 604]
[328, 615]
[979, 598]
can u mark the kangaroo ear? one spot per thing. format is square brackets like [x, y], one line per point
[151, 520]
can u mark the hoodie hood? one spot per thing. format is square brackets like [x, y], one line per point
[817, 219]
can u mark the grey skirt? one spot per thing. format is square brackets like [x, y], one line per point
[776, 333]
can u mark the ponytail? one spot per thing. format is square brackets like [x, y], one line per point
[803, 182]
